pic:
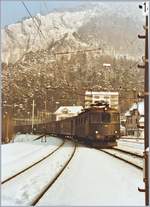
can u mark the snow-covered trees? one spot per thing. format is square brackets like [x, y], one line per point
[65, 79]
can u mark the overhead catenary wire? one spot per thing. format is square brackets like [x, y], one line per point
[45, 5]
[37, 27]
[36, 24]
[71, 52]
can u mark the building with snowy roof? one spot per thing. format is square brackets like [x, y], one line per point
[135, 120]
[64, 112]
[138, 106]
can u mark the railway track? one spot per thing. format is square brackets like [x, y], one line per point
[39, 137]
[127, 156]
[43, 177]
[35, 163]
[48, 186]
[128, 151]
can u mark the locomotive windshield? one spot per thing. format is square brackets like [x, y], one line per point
[106, 117]
[95, 118]
[100, 117]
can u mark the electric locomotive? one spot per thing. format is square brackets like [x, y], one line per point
[98, 126]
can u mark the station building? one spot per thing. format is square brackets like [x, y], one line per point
[92, 97]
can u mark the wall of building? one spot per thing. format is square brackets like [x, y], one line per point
[111, 97]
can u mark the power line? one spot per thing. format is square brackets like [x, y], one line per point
[71, 52]
[38, 28]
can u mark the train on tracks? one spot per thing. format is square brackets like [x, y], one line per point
[97, 126]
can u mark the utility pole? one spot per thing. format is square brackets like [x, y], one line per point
[146, 113]
[33, 105]
[146, 107]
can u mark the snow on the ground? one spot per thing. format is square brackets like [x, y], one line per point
[130, 137]
[23, 189]
[133, 146]
[92, 177]
[19, 155]
[130, 148]
[95, 178]
[138, 161]
[25, 137]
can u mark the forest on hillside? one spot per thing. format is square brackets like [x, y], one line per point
[49, 78]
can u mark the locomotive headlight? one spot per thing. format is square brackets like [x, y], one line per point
[116, 132]
[96, 132]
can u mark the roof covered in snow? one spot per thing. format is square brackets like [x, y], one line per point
[127, 113]
[69, 109]
[141, 120]
[139, 106]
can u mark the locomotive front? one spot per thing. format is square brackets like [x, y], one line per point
[104, 126]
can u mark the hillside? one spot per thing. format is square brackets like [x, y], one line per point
[113, 27]
[31, 63]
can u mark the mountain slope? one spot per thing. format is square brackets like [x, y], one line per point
[111, 26]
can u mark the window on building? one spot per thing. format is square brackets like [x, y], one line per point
[96, 97]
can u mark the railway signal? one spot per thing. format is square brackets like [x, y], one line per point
[146, 105]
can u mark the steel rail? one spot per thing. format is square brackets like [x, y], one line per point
[35, 163]
[48, 186]
[123, 159]
[39, 137]
[128, 152]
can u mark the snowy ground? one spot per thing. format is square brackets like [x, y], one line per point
[132, 137]
[29, 184]
[25, 137]
[24, 152]
[92, 177]
[136, 147]
[137, 161]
